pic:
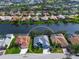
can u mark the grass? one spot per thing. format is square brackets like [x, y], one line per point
[13, 48]
[56, 50]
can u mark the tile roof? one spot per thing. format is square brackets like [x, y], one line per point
[59, 39]
[23, 41]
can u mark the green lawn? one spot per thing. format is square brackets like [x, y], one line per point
[56, 50]
[13, 48]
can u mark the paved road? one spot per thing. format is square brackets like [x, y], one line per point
[36, 56]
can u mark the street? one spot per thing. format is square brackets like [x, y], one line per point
[36, 56]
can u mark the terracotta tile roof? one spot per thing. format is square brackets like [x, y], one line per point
[23, 41]
[74, 39]
[59, 39]
[16, 17]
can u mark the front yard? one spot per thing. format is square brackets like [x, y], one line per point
[13, 48]
[34, 50]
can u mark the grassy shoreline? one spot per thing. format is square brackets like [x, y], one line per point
[30, 22]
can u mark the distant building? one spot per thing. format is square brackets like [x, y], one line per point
[45, 18]
[61, 16]
[53, 17]
[74, 0]
[36, 18]
[35, 1]
[16, 1]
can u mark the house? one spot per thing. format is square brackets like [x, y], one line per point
[74, 39]
[44, 18]
[9, 38]
[45, 13]
[15, 18]
[5, 17]
[29, 17]
[35, 1]
[59, 39]
[18, 13]
[26, 18]
[41, 40]
[2, 18]
[61, 16]
[5, 41]
[38, 14]
[8, 18]
[23, 41]
[53, 17]
[36, 18]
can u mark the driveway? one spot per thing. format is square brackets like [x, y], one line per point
[46, 51]
[24, 51]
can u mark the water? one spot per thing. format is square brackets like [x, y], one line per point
[9, 28]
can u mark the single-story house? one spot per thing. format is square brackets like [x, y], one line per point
[74, 39]
[2, 18]
[61, 16]
[38, 14]
[5, 41]
[23, 41]
[53, 17]
[59, 39]
[15, 18]
[36, 18]
[8, 18]
[41, 41]
[45, 18]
